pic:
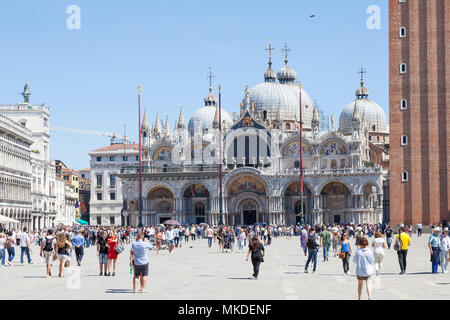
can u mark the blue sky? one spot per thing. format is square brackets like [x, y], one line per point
[88, 77]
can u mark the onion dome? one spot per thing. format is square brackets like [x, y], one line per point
[374, 115]
[269, 75]
[210, 99]
[286, 74]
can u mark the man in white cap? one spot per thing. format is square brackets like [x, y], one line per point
[445, 249]
[434, 245]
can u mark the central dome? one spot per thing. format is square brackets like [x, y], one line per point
[267, 95]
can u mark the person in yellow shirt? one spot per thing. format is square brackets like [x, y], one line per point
[405, 242]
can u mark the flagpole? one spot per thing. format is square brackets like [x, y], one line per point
[220, 160]
[140, 160]
[302, 221]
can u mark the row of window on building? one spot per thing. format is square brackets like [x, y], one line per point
[112, 196]
[112, 180]
[113, 158]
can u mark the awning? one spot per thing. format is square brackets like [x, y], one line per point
[4, 219]
[82, 222]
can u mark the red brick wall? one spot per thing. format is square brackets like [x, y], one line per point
[425, 196]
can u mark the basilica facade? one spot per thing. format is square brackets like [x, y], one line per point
[261, 161]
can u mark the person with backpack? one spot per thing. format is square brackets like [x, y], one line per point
[9, 245]
[389, 233]
[401, 245]
[48, 251]
[313, 244]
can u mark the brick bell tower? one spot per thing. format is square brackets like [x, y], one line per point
[419, 111]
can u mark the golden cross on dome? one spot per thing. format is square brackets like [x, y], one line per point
[270, 49]
[210, 76]
[362, 72]
[285, 50]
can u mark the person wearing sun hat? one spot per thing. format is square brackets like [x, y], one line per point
[445, 250]
[434, 245]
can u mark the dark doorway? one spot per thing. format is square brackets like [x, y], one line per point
[249, 217]
[337, 218]
[199, 220]
[162, 219]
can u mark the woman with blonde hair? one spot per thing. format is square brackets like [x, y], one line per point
[64, 246]
[379, 245]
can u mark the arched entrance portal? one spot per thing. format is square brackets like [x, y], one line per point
[246, 196]
[335, 199]
[249, 210]
[292, 203]
[162, 201]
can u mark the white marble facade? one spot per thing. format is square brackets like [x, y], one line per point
[179, 181]
[106, 201]
[15, 172]
[36, 119]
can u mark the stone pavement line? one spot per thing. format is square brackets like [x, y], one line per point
[289, 291]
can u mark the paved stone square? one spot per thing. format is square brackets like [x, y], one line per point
[198, 272]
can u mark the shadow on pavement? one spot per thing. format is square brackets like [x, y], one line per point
[119, 291]
[34, 277]
[241, 278]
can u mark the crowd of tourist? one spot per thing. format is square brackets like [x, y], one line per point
[366, 243]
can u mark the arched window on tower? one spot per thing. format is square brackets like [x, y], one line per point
[288, 126]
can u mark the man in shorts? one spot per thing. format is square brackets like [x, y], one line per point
[102, 252]
[170, 236]
[139, 261]
[48, 251]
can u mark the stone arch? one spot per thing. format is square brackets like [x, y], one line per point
[293, 181]
[248, 171]
[188, 184]
[159, 192]
[319, 188]
[373, 184]
[246, 183]
[335, 188]
[159, 184]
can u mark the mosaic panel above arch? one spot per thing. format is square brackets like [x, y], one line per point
[292, 149]
[163, 154]
[333, 148]
[246, 184]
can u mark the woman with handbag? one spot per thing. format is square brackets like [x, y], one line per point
[345, 251]
[64, 247]
[112, 242]
[256, 249]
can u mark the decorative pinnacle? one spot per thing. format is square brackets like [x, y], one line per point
[285, 50]
[269, 49]
[210, 76]
[362, 72]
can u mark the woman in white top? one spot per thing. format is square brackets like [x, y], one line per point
[379, 245]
